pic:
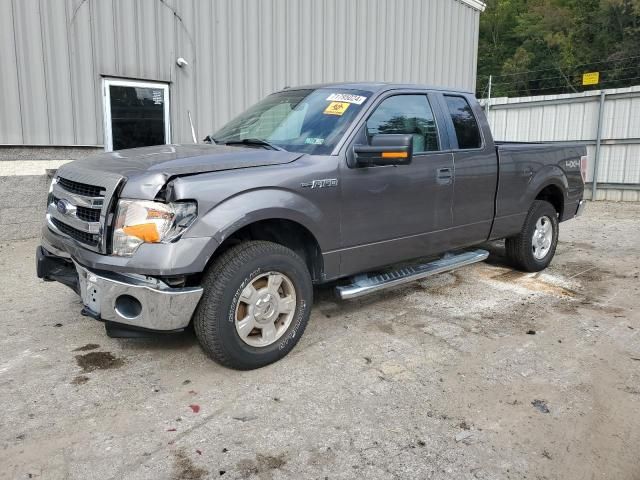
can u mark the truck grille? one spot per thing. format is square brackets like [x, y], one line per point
[82, 237]
[81, 188]
[84, 213]
[88, 214]
[78, 205]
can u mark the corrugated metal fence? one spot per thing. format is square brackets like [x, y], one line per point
[614, 113]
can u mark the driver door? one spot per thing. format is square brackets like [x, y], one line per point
[397, 212]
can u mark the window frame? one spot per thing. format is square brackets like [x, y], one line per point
[434, 112]
[107, 82]
[453, 136]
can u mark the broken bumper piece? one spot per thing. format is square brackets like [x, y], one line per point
[136, 301]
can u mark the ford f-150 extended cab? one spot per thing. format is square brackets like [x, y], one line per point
[366, 184]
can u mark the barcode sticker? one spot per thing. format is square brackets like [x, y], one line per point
[346, 97]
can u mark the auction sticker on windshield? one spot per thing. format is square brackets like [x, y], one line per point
[346, 97]
[336, 108]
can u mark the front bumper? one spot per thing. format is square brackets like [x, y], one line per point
[581, 206]
[133, 300]
[187, 256]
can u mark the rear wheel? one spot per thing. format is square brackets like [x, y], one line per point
[533, 248]
[255, 306]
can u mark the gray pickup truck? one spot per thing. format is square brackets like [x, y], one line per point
[366, 185]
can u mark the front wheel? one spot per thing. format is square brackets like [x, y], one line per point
[255, 306]
[533, 248]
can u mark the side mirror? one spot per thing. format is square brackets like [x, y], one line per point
[385, 149]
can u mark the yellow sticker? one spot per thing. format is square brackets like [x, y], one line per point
[336, 108]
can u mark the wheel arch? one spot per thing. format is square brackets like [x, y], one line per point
[276, 215]
[549, 184]
[553, 194]
[284, 231]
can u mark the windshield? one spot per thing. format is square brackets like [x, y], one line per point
[309, 121]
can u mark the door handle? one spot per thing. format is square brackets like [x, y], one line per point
[444, 175]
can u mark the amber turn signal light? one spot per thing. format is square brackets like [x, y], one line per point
[147, 232]
[395, 154]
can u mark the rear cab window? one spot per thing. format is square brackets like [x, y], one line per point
[464, 122]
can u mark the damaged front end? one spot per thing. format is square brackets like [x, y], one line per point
[119, 255]
[125, 302]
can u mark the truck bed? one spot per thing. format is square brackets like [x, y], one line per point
[525, 169]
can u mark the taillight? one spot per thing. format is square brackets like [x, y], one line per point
[583, 168]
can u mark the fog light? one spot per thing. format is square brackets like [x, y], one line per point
[128, 307]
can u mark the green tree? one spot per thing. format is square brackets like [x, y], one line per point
[534, 47]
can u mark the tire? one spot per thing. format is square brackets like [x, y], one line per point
[531, 250]
[242, 297]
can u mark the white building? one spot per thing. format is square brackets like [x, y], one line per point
[85, 75]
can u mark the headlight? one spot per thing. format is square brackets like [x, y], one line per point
[54, 180]
[144, 221]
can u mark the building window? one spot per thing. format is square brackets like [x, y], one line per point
[136, 114]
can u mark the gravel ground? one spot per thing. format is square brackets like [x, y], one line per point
[482, 373]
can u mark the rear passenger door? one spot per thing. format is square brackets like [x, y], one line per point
[475, 169]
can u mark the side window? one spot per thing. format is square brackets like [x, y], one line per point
[464, 122]
[407, 114]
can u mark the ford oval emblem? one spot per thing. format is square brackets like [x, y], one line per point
[64, 207]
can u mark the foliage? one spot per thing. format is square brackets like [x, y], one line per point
[537, 47]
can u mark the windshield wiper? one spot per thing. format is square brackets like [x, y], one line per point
[255, 141]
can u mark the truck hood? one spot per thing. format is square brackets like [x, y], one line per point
[147, 169]
[174, 160]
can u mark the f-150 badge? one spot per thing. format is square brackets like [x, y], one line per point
[324, 183]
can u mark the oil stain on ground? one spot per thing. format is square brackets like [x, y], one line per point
[80, 380]
[535, 282]
[442, 284]
[386, 328]
[98, 361]
[263, 465]
[584, 271]
[185, 469]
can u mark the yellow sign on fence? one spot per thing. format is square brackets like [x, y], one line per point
[591, 78]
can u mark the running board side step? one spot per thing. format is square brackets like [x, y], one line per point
[367, 283]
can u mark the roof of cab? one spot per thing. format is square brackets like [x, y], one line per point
[375, 87]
